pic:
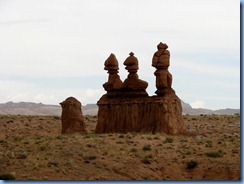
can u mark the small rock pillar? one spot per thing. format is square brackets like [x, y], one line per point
[72, 117]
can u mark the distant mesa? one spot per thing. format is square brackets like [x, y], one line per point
[31, 108]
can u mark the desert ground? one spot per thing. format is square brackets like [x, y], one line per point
[32, 148]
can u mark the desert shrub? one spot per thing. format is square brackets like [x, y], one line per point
[149, 156]
[52, 163]
[89, 145]
[183, 140]
[7, 177]
[43, 148]
[147, 147]
[156, 137]
[21, 155]
[168, 140]
[188, 153]
[145, 161]
[209, 144]
[16, 139]
[192, 164]
[10, 121]
[90, 157]
[3, 141]
[133, 150]
[121, 136]
[26, 141]
[60, 137]
[57, 117]
[129, 142]
[214, 154]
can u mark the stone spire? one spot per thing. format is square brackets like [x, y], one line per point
[114, 83]
[161, 61]
[131, 63]
[133, 85]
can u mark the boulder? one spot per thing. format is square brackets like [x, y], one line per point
[72, 117]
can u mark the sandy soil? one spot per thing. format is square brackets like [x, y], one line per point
[31, 148]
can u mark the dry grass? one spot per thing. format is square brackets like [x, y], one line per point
[31, 148]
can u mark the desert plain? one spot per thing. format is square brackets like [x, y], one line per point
[32, 148]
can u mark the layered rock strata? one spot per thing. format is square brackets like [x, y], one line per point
[149, 114]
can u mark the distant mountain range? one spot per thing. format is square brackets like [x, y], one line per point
[187, 109]
[30, 108]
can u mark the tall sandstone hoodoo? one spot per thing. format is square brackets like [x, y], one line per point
[126, 107]
[72, 117]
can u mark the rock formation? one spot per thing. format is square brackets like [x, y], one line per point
[133, 86]
[163, 77]
[132, 110]
[114, 83]
[72, 117]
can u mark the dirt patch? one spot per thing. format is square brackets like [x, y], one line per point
[32, 148]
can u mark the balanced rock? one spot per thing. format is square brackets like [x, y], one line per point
[133, 86]
[161, 61]
[72, 117]
[114, 84]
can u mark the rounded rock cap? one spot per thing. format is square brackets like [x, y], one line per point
[162, 46]
[111, 63]
[131, 60]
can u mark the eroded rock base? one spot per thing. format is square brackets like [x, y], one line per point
[148, 114]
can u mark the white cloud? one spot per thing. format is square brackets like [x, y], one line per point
[28, 92]
[93, 92]
[196, 67]
[77, 36]
[198, 104]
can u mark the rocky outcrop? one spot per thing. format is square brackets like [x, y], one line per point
[72, 117]
[130, 109]
[149, 114]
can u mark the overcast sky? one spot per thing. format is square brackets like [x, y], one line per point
[53, 49]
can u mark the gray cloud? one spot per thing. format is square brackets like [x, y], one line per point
[72, 38]
[13, 22]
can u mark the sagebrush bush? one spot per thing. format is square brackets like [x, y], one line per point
[7, 177]
[192, 164]
[145, 161]
[168, 140]
[214, 154]
[91, 157]
[147, 147]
